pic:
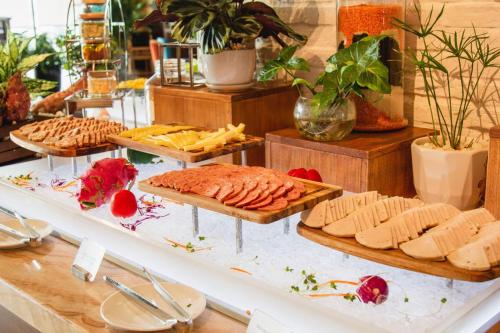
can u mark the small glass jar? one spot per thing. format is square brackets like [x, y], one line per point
[357, 19]
[101, 83]
[95, 50]
[332, 124]
[93, 29]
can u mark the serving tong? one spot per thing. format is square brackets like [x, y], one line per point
[32, 237]
[182, 325]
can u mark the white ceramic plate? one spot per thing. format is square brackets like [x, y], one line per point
[230, 87]
[10, 242]
[122, 313]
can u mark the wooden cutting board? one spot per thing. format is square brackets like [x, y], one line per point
[395, 258]
[315, 192]
[186, 156]
[41, 148]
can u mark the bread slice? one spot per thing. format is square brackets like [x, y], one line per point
[371, 216]
[482, 252]
[408, 225]
[338, 208]
[316, 217]
[440, 241]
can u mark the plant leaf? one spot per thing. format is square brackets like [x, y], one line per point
[245, 27]
[30, 62]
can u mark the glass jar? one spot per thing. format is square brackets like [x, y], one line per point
[331, 124]
[357, 19]
[101, 83]
[93, 29]
[95, 50]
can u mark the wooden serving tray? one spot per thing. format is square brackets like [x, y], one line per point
[41, 148]
[189, 157]
[395, 258]
[315, 192]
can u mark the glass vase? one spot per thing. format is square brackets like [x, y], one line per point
[332, 124]
[357, 19]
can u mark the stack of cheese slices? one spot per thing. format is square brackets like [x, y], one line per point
[469, 240]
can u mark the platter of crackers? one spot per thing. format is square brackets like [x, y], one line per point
[436, 239]
[68, 136]
[187, 143]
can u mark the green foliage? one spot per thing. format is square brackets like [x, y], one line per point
[473, 56]
[71, 46]
[14, 57]
[44, 45]
[348, 71]
[221, 24]
[132, 11]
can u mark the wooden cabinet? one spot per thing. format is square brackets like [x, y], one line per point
[361, 162]
[492, 199]
[261, 109]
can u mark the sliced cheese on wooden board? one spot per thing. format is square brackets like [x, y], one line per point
[408, 225]
[440, 241]
[328, 212]
[482, 252]
[371, 216]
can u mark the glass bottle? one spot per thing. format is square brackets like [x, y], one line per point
[357, 19]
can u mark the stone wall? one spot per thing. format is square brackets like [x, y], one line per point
[317, 19]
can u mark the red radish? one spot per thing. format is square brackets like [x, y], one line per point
[373, 289]
[298, 173]
[123, 204]
[313, 174]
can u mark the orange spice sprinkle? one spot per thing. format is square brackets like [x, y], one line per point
[328, 295]
[337, 281]
[237, 269]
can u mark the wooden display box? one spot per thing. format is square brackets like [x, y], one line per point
[261, 109]
[492, 199]
[9, 151]
[361, 162]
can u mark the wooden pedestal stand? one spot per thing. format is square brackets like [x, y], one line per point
[361, 162]
[492, 202]
[261, 109]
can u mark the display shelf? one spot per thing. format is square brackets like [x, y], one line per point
[315, 192]
[189, 157]
[42, 148]
[396, 258]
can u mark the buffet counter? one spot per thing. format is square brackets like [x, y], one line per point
[264, 277]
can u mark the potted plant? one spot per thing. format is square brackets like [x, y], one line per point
[448, 166]
[226, 31]
[327, 112]
[50, 68]
[16, 88]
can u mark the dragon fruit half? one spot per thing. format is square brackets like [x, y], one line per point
[103, 179]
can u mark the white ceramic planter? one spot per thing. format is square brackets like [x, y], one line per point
[454, 177]
[230, 70]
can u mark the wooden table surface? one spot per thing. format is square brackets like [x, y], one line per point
[37, 286]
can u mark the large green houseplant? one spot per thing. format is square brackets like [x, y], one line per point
[324, 111]
[50, 68]
[226, 31]
[16, 89]
[448, 166]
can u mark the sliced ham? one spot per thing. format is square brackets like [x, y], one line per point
[277, 204]
[263, 203]
[243, 187]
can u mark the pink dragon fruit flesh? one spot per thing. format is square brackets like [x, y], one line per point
[103, 179]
